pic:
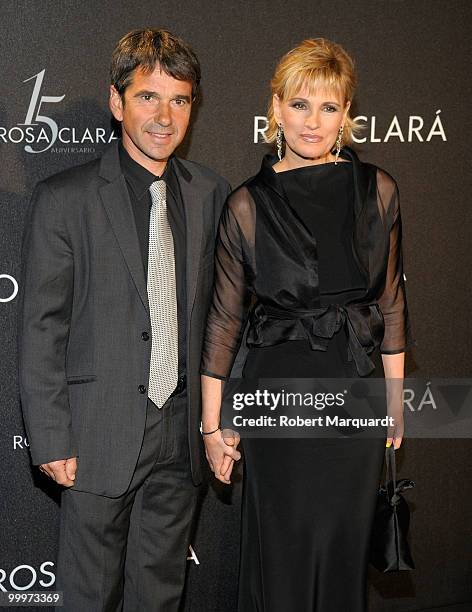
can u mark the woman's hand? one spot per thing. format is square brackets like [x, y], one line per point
[395, 433]
[221, 453]
[394, 367]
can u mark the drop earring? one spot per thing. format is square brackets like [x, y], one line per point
[279, 140]
[339, 140]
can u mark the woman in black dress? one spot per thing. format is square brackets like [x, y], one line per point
[309, 253]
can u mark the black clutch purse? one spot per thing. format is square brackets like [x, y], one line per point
[389, 546]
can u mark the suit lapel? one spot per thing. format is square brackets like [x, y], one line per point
[194, 189]
[115, 198]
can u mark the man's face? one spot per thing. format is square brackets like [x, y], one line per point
[154, 116]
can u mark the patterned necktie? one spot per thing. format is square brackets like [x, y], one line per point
[162, 300]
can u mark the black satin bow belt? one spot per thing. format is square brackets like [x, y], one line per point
[364, 325]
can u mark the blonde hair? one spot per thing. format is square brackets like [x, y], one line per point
[315, 63]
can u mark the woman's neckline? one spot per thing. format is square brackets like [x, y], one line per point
[311, 166]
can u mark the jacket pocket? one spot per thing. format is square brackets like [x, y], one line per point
[79, 380]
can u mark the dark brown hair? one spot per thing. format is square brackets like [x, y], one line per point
[145, 49]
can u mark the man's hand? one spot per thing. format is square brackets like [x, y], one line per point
[62, 471]
[221, 453]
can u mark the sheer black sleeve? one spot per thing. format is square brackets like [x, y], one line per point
[392, 301]
[234, 270]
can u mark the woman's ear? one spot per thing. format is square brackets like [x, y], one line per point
[277, 110]
[346, 110]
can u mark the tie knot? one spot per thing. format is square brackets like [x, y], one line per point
[158, 191]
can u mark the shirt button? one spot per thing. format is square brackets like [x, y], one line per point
[142, 389]
[145, 336]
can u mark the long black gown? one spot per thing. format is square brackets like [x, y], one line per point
[308, 503]
[319, 306]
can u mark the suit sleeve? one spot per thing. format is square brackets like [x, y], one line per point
[392, 302]
[45, 306]
[223, 191]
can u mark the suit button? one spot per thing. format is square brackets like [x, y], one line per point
[181, 383]
[145, 336]
[142, 389]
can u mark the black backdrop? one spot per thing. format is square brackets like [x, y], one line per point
[414, 63]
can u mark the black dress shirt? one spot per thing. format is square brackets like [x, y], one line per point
[138, 181]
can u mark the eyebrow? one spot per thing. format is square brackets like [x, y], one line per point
[145, 92]
[305, 100]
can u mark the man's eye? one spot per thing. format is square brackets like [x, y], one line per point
[147, 97]
[179, 102]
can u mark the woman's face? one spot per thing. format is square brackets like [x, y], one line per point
[310, 123]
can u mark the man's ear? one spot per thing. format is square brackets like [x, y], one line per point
[116, 104]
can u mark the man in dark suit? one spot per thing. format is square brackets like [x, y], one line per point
[117, 276]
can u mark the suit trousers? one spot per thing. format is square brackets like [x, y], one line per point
[129, 553]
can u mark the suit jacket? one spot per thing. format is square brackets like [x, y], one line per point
[84, 348]
[266, 274]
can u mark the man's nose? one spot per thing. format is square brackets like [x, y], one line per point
[162, 115]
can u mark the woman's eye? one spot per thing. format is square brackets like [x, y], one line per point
[330, 109]
[299, 105]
